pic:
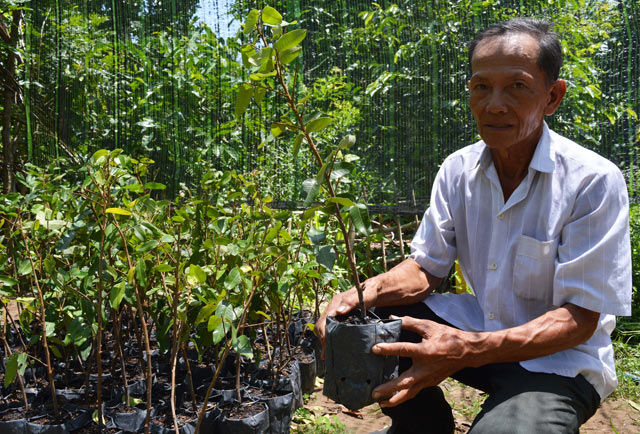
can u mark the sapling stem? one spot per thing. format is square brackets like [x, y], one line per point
[143, 325]
[43, 322]
[227, 348]
[117, 333]
[327, 175]
[177, 327]
[190, 377]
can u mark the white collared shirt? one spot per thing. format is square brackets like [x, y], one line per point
[562, 237]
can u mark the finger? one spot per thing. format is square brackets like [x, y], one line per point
[401, 349]
[400, 397]
[385, 390]
[348, 302]
[419, 326]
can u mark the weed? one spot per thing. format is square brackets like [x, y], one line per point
[306, 422]
[628, 369]
[464, 400]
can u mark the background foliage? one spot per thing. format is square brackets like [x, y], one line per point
[154, 78]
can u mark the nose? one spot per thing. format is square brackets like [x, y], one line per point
[496, 102]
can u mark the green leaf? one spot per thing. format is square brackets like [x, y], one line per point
[226, 311]
[22, 363]
[131, 274]
[219, 330]
[155, 186]
[233, 279]
[631, 403]
[261, 313]
[252, 19]
[25, 267]
[347, 142]
[341, 169]
[244, 98]
[99, 156]
[277, 129]
[242, 346]
[316, 236]
[213, 322]
[326, 256]
[313, 188]
[296, 144]
[290, 40]
[117, 294]
[11, 369]
[197, 274]
[132, 401]
[310, 212]
[258, 94]
[206, 312]
[149, 245]
[261, 77]
[137, 188]
[271, 17]
[118, 211]
[344, 201]
[56, 352]
[319, 124]
[141, 274]
[50, 328]
[261, 58]
[85, 352]
[360, 218]
[290, 55]
[163, 268]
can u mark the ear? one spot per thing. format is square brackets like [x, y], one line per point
[557, 90]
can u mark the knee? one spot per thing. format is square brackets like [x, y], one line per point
[526, 416]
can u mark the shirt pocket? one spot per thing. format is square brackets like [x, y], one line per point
[534, 268]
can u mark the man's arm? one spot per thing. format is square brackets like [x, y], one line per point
[404, 284]
[445, 350]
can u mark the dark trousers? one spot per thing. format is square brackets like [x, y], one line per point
[518, 402]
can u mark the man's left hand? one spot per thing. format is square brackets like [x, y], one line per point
[437, 357]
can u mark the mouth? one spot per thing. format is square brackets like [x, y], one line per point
[498, 126]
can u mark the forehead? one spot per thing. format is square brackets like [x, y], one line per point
[518, 51]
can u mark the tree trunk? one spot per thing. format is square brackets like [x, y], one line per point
[9, 148]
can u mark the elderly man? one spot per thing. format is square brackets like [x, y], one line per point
[540, 228]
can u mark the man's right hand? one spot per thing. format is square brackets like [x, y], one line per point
[344, 302]
[404, 284]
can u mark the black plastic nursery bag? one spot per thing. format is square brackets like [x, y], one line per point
[351, 370]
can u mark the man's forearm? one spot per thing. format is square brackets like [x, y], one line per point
[404, 284]
[554, 331]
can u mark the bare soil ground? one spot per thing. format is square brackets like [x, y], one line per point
[614, 416]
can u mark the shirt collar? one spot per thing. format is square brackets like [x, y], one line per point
[543, 158]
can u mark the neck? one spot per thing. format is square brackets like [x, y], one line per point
[512, 165]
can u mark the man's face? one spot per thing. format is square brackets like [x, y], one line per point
[509, 93]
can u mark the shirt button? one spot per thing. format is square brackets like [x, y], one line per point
[494, 266]
[491, 316]
[500, 216]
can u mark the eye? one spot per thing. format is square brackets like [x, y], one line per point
[480, 86]
[519, 85]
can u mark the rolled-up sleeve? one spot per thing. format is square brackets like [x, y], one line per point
[433, 246]
[593, 268]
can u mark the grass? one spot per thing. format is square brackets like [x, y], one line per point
[627, 363]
